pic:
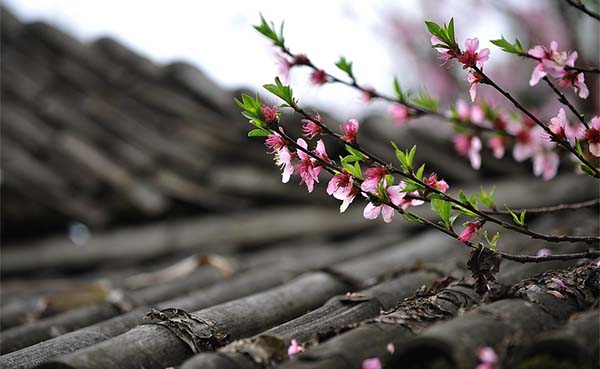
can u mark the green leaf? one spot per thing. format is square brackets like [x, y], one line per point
[587, 169]
[284, 92]
[345, 66]
[268, 30]
[420, 171]
[410, 156]
[401, 95]
[356, 153]
[578, 147]
[258, 132]
[353, 169]
[487, 198]
[506, 46]
[493, 243]
[518, 219]
[442, 208]
[450, 32]
[411, 218]
[425, 101]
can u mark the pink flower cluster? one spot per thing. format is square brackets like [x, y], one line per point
[375, 179]
[470, 57]
[306, 165]
[555, 64]
[530, 140]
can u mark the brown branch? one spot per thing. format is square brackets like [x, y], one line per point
[417, 110]
[563, 100]
[481, 214]
[593, 70]
[331, 168]
[583, 8]
[559, 140]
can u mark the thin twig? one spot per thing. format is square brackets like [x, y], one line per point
[593, 70]
[563, 100]
[481, 214]
[417, 110]
[331, 168]
[583, 8]
[562, 142]
[533, 211]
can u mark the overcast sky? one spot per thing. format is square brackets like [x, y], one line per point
[217, 37]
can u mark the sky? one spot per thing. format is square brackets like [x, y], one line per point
[218, 38]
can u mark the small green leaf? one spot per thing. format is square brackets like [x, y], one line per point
[506, 46]
[269, 31]
[258, 132]
[487, 198]
[284, 92]
[493, 243]
[518, 219]
[587, 169]
[345, 66]
[442, 208]
[425, 101]
[411, 218]
[578, 147]
[410, 156]
[420, 171]
[356, 153]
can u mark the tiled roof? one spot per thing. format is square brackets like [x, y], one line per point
[199, 257]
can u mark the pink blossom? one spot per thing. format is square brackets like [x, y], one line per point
[471, 56]
[368, 94]
[400, 114]
[284, 67]
[372, 363]
[275, 142]
[372, 176]
[349, 130]
[390, 348]
[561, 127]
[524, 144]
[545, 164]
[395, 196]
[270, 113]
[318, 77]
[294, 348]
[544, 252]
[312, 129]
[469, 146]
[440, 185]
[307, 168]
[487, 355]
[470, 230]
[541, 52]
[283, 159]
[445, 53]
[593, 136]
[498, 145]
[341, 186]
[473, 78]
[559, 282]
[321, 153]
[472, 114]
[406, 203]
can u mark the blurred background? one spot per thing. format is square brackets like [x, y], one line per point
[121, 144]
